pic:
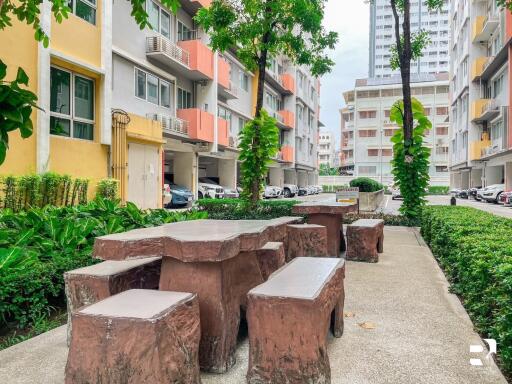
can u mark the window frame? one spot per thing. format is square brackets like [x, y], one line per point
[88, 3]
[72, 115]
[159, 82]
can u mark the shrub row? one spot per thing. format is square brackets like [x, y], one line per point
[365, 184]
[38, 245]
[438, 190]
[237, 209]
[332, 188]
[392, 220]
[475, 250]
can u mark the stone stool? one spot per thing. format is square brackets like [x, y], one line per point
[270, 257]
[289, 317]
[365, 238]
[306, 240]
[88, 285]
[137, 336]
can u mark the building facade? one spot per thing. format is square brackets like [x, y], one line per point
[327, 149]
[481, 140]
[382, 38]
[152, 105]
[366, 130]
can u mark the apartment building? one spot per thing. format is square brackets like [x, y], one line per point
[382, 38]
[152, 105]
[366, 130]
[480, 56]
[327, 149]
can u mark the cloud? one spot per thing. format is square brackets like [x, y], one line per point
[350, 18]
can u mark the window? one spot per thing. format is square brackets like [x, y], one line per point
[153, 89]
[367, 170]
[71, 105]
[388, 152]
[389, 132]
[159, 19]
[441, 168]
[184, 32]
[367, 133]
[367, 114]
[442, 131]
[373, 152]
[184, 99]
[241, 124]
[244, 81]
[441, 111]
[84, 9]
[441, 150]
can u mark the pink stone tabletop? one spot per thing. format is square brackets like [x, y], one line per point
[327, 208]
[190, 241]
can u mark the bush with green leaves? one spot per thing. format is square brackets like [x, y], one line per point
[240, 209]
[474, 248]
[38, 245]
[332, 188]
[411, 159]
[108, 189]
[391, 220]
[438, 190]
[365, 184]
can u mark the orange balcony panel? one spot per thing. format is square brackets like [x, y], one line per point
[288, 118]
[223, 69]
[201, 57]
[223, 138]
[204, 3]
[200, 123]
[288, 82]
[287, 153]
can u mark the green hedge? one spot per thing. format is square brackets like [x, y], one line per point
[475, 250]
[392, 220]
[332, 188]
[366, 184]
[438, 190]
[38, 245]
[237, 209]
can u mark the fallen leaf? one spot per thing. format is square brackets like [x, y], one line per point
[350, 314]
[366, 325]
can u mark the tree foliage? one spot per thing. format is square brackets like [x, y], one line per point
[16, 106]
[260, 30]
[326, 170]
[411, 163]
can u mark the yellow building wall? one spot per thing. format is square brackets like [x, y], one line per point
[78, 38]
[76, 157]
[19, 49]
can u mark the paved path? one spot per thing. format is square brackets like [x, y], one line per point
[421, 332]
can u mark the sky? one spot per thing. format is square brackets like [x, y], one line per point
[351, 19]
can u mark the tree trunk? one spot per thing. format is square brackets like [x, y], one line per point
[406, 76]
[262, 67]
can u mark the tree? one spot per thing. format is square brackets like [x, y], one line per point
[260, 30]
[408, 158]
[16, 104]
[326, 170]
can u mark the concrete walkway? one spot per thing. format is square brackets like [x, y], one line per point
[403, 327]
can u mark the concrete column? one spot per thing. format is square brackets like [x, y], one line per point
[227, 173]
[311, 178]
[494, 175]
[476, 177]
[276, 176]
[302, 178]
[465, 179]
[508, 176]
[185, 165]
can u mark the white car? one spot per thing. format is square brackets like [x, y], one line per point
[290, 190]
[492, 193]
[278, 190]
[166, 195]
[269, 192]
[208, 189]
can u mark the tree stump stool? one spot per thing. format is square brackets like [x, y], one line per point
[365, 238]
[137, 336]
[306, 240]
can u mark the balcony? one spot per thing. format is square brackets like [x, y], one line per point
[166, 52]
[222, 136]
[227, 89]
[477, 67]
[484, 110]
[288, 83]
[192, 6]
[233, 142]
[286, 154]
[483, 28]
[288, 118]
[171, 125]
[200, 123]
[477, 149]
[200, 58]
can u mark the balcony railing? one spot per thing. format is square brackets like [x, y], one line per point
[189, 35]
[477, 149]
[170, 124]
[477, 67]
[159, 44]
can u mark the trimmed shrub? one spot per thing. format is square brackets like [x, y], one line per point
[237, 209]
[474, 248]
[392, 220]
[108, 189]
[332, 188]
[366, 184]
[438, 190]
[38, 245]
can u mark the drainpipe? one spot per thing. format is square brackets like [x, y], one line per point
[215, 102]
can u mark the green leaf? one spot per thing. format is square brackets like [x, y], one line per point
[3, 70]
[3, 152]
[21, 77]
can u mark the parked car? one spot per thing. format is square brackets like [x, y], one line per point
[454, 192]
[473, 191]
[208, 188]
[181, 196]
[492, 193]
[303, 191]
[166, 195]
[463, 194]
[270, 192]
[479, 193]
[290, 190]
[278, 190]
[504, 197]
[231, 193]
[395, 194]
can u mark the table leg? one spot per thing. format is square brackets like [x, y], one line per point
[221, 289]
[335, 238]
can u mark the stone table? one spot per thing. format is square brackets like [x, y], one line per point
[212, 258]
[330, 215]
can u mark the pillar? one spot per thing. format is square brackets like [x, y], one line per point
[185, 165]
[227, 173]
